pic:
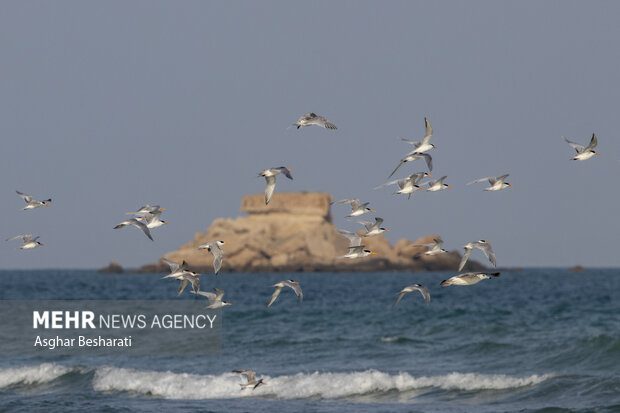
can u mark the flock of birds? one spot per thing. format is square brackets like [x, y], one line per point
[149, 217]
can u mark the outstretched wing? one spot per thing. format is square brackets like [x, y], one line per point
[271, 185]
[576, 146]
[466, 255]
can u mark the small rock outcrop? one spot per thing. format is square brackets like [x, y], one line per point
[295, 233]
[112, 268]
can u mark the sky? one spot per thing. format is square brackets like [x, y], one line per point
[107, 106]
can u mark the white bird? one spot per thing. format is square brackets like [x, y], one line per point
[214, 248]
[407, 185]
[32, 203]
[424, 145]
[147, 209]
[270, 177]
[482, 245]
[357, 209]
[469, 278]
[496, 183]
[176, 270]
[356, 249]
[251, 377]
[413, 157]
[311, 118]
[437, 185]
[215, 300]
[414, 287]
[372, 229]
[29, 241]
[153, 221]
[189, 277]
[584, 153]
[135, 223]
[434, 248]
[294, 285]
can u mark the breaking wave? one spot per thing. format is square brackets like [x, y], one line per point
[170, 385]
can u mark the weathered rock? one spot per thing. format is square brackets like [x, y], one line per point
[294, 233]
[112, 268]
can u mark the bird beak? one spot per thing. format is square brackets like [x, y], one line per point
[231, 304]
[295, 282]
[373, 253]
[596, 153]
[387, 230]
[509, 184]
[429, 175]
[372, 210]
[197, 273]
[487, 242]
[165, 223]
[288, 169]
[448, 186]
[162, 209]
[227, 243]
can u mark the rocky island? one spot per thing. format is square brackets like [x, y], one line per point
[295, 233]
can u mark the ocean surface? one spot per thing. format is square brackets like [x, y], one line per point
[534, 340]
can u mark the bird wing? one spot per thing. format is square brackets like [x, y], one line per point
[402, 161]
[354, 239]
[182, 286]
[366, 224]
[466, 255]
[22, 237]
[173, 265]
[500, 178]
[142, 226]
[488, 178]
[286, 172]
[578, 148]
[425, 294]
[400, 296]
[440, 180]
[387, 183]
[428, 159]
[271, 185]
[345, 201]
[296, 288]
[217, 257]
[488, 251]
[220, 293]
[378, 222]
[25, 197]
[592, 144]
[321, 121]
[429, 131]
[275, 295]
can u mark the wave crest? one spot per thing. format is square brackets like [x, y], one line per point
[299, 386]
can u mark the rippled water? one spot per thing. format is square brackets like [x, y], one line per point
[527, 341]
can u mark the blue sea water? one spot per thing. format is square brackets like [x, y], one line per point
[534, 340]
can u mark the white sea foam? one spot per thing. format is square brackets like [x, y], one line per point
[42, 373]
[299, 386]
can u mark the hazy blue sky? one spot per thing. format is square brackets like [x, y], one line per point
[106, 106]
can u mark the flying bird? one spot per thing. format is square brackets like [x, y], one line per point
[496, 183]
[29, 241]
[413, 156]
[188, 277]
[584, 153]
[414, 287]
[215, 300]
[372, 229]
[356, 249]
[270, 177]
[251, 377]
[146, 210]
[214, 248]
[483, 245]
[294, 285]
[469, 278]
[434, 248]
[32, 203]
[424, 145]
[357, 209]
[135, 223]
[312, 118]
[437, 185]
[152, 220]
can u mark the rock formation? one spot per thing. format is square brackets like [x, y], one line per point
[112, 268]
[294, 233]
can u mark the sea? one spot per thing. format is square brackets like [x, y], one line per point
[532, 340]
